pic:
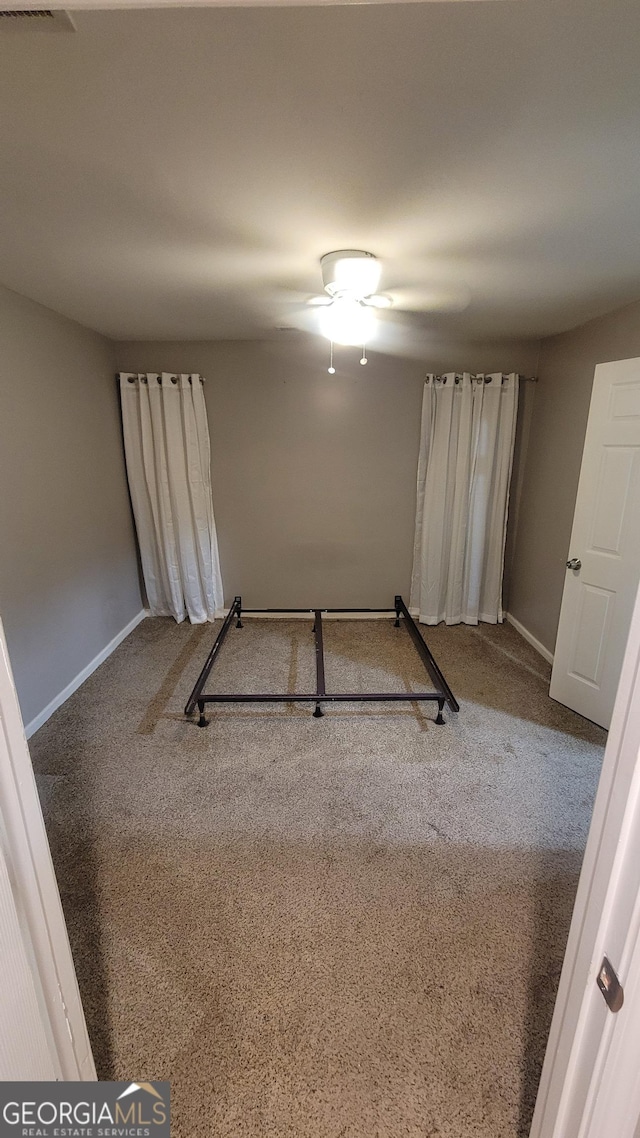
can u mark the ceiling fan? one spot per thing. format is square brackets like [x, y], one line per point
[351, 311]
[350, 278]
[348, 308]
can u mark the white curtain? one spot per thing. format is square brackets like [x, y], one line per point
[464, 471]
[166, 438]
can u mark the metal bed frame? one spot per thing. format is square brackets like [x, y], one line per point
[441, 695]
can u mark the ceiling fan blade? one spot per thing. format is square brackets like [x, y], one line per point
[434, 298]
[405, 335]
[319, 301]
[378, 300]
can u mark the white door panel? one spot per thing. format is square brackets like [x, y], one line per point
[25, 1048]
[591, 633]
[43, 1034]
[598, 596]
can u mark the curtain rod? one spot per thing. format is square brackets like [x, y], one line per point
[485, 377]
[174, 378]
[132, 377]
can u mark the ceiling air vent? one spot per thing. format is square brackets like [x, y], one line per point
[36, 20]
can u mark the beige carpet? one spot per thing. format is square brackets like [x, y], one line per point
[349, 927]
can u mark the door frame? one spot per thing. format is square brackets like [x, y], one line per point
[579, 1089]
[35, 890]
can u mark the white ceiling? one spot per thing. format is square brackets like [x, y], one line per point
[172, 173]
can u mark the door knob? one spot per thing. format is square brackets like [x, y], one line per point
[574, 563]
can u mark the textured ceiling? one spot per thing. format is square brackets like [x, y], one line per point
[177, 173]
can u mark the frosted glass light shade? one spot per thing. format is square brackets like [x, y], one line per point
[347, 322]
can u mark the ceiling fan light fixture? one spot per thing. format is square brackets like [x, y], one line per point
[352, 271]
[347, 322]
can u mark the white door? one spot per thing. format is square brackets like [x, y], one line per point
[603, 565]
[590, 1084]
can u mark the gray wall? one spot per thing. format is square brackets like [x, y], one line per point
[314, 475]
[68, 569]
[552, 468]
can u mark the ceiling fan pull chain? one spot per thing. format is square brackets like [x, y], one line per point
[331, 369]
[364, 354]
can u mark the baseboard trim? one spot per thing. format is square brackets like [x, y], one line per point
[529, 637]
[77, 681]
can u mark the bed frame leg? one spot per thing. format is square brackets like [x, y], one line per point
[202, 722]
[239, 623]
[396, 623]
[318, 713]
[440, 720]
